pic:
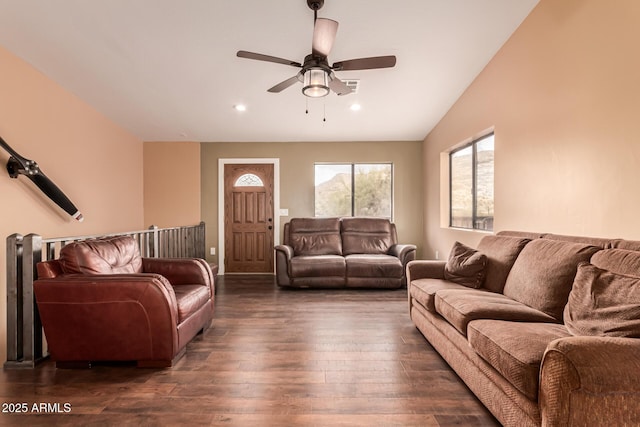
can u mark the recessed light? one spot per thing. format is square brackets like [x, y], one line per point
[240, 107]
[355, 107]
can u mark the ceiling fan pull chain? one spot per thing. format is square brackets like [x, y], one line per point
[306, 106]
[324, 111]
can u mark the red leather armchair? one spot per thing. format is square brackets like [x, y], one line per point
[101, 301]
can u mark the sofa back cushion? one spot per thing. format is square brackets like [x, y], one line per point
[631, 245]
[501, 252]
[600, 242]
[108, 255]
[603, 303]
[367, 235]
[543, 274]
[315, 236]
[618, 261]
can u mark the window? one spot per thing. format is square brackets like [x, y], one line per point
[249, 180]
[353, 189]
[471, 185]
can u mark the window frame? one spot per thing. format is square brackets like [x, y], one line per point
[474, 187]
[352, 166]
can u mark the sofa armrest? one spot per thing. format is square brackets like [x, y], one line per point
[284, 253]
[286, 250]
[590, 381]
[108, 317]
[425, 269]
[180, 271]
[405, 253]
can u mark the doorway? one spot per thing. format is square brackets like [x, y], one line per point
[247, 222]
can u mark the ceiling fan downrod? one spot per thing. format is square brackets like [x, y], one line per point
[315, 5]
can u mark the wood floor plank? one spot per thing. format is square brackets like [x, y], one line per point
[273, 357]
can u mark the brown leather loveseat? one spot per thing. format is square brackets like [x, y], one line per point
[100, 301]
[342, 252]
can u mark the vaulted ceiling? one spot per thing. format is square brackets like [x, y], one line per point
[166, 70]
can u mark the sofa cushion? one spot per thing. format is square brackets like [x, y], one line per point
[367, 235]
[459, 307]
[501, 253]
[190, 298]
[618, 261]
[514, 349]
[603, 303]
[372, 265]
[465, 266]
[108, 255]
[631, 245]
[317, 266]
[600, 242]
[543, 274]
[424, 291]
[315, 236]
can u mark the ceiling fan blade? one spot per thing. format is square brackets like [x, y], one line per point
[324, 34]
[365, 63]
[338, 86]
[50, 189]
[267, 58]
[283, 85]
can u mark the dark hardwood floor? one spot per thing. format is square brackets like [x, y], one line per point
[273, 357]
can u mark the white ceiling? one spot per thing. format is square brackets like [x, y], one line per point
[166, 70]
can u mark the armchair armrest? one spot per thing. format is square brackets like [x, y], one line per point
[405, 253]
[180, 271]
[108, 317]
[425, 269]
[591, 381]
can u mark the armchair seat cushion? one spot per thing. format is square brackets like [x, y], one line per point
[371, 265]
[317, 266]
[190, 298]
[515, 352]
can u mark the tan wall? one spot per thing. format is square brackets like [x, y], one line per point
[297, 177]
[171, 183]
[564, 96]
[95, 163]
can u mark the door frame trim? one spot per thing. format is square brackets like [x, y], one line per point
[276, 202]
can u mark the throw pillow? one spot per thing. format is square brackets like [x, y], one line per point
[602, 303]
[465, 266]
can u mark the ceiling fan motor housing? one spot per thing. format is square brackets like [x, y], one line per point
[315, 4]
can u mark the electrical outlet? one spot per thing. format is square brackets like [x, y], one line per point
[437, 255]
[212, 251]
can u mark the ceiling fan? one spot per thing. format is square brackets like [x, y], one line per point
[18, 165]
[317, 77]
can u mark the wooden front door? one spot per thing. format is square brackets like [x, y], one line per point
[248, 218]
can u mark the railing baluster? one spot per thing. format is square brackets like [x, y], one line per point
[14, 298]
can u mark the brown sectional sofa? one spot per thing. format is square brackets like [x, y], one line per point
[531, 343]
[101, 301]
[342, 252]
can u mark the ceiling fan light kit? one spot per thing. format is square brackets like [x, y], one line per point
[317, 77]
[316, 83]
